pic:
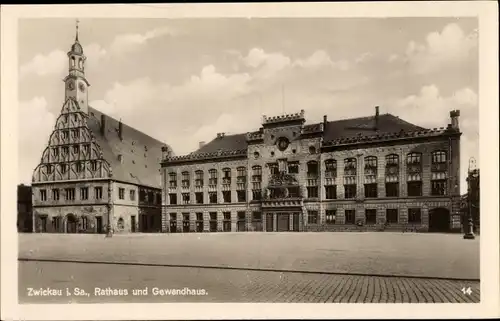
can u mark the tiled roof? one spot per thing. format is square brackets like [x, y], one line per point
[140, 153]
[334, 130]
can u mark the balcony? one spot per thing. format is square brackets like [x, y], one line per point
[312, 182]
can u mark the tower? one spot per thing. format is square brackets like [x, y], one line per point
[75, 83]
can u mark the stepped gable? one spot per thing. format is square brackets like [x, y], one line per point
[365, 126]
[224, 143]
[140, 153]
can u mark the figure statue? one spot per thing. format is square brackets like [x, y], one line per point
[286, 193]
[266, 193]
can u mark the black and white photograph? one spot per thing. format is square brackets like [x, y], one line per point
[250, 159]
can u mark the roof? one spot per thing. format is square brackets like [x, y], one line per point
[141, 154]
[334, 130]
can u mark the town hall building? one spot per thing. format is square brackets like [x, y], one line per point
[96, 173]
[377, 172]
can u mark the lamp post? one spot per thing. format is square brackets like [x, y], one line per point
[469, 235]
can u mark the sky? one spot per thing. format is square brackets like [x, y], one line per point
[183, 81]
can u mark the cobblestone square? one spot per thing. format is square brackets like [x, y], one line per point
[254, 267]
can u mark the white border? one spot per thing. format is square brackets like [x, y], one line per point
[488, 102]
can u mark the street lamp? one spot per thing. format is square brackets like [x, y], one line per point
[469, 235]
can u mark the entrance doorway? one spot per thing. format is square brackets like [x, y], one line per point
[99, 224]
[439, 220]
[132, 223]
[269, 222]
[283, 223]
[71, 223]
[144, 223]
[43, 224]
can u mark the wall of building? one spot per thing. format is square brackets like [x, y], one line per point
[91, 212]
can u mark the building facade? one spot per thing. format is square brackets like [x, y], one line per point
[371, 173]
[96, 173]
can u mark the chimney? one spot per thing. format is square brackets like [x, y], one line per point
[220, 135]
[376, 117]
[120, 130]
[165, 152]
[325, 120]
[454, 115]
[201, 144]
[103, 125]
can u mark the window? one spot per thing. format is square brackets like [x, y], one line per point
[212, 196]
[242, 196]
[414, 215]
[65, 150]
[414, 171]
[185, 198]
[312, 150]
[43, 195]
[241, 178]
[79, 167]
[86, 148]
[349, 191]
[414, 158]
[198, 176]
[312, 217]
[64, 168]
[312, 192]
[213, 216]
[349, 217]
[241, 172]
[330, 217]
[199, 216]
[151, 196]
[173, 216]
[438, 157]
[93, 165]
[293, 192]
[370, 162]
[226, 216]
[212, 177]
[256, 194]
[256, 178]
[70, 194]
[76, 149]
[392, 159]
[438, 187]
[56, 224]
[392, 189]
[370, 216]
[293, 168]
[158, 199]
[55, 194]
[85, 223]
[392, 215]
[331, 192]
[330, 168]
[273, 168]
[132, 195]
[415, 188]
[350, 171]
[312, 169]
[142, 195]
[172, 198]
[226, 176]
[199, 198]
[172, 180]
[84, 193]
[121, 193]
[226, 196]
[185, 180]
[371, 190]
[49, 169]
[256, 216]
[55, 151]
[65, 134]
[98, 192]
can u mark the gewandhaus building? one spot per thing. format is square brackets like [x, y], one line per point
[372, 173]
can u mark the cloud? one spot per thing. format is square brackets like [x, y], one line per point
[128, 42]
[451, 46]
[429, 101]
[55, 62]
[321, 58]
[32, 145]
[268, 64]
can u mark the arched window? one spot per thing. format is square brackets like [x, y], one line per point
[330, 168]
[241, 172]
[414, 158]
[226, 176]
[350, 166]
[392, 175]
[438, 157]
[120, 224]
[185, 179]
[72, 61]
[198, 176]
[392, 159]
[80, 63]
[370, 176]
[257, 170]
[212, 177]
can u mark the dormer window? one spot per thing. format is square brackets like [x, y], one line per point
[65, 133]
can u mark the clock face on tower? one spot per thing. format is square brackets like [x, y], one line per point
[71, 85]
[81, 86]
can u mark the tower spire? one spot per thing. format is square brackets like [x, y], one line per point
[76, 38]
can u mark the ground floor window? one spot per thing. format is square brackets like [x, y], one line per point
[226, 223]
[414, 215]
[370, 216]
[330, 216]
[371, 190]
[312, 217]
[392, 215]
[213, 221]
